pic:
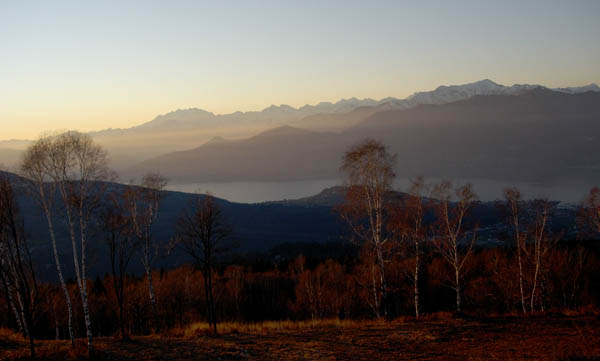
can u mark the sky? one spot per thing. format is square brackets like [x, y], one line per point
[93, 65]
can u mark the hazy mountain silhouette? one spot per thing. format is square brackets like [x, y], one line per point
[9, 157]
[537, 135]
[277, 154]
[185, 119]
[186, 129]
[277, 115]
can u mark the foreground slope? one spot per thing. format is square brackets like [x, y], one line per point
[537, 337]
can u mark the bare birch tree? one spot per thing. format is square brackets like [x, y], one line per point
[454, 240]
[143, 203]
[514, 205]
[416, 230]
[16, 268]
[79, 169]
[36, 168]
[368, 173]
[540, 242]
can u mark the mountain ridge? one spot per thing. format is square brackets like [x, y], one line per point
[442, 94]
[488, 136]
[183, 129]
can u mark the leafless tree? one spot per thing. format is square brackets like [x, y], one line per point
[368, 171]
[367, 277]
[514, 205]
[201, 231]
[589, 214]
[36, 167]
[540, 241]
[574, 263]
[143, 203]
[454, 240]
[121, 242]
[416, 230]
[79, 168]
[16, 268]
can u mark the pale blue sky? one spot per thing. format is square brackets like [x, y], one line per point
[92, 65]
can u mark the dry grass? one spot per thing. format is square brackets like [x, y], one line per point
[202, 328]
[440, 336]
[12, 342]
[6, 334]
[582, 311]
[48, 350]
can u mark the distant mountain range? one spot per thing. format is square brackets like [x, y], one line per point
[183, 131]
[538, 135]
[282, 114]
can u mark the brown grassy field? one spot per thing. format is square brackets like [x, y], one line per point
[439, 337]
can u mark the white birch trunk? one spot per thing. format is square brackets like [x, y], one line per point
[11, 302]
[63, 284]
[83, 284]
[416, 279]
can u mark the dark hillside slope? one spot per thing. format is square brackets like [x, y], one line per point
[257, 228]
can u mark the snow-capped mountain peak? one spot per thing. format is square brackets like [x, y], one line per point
[282, 114]
[580, 89]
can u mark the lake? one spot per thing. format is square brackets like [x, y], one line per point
[486, 189]
[254, 192]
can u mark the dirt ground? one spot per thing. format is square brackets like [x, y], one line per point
[541, 338]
